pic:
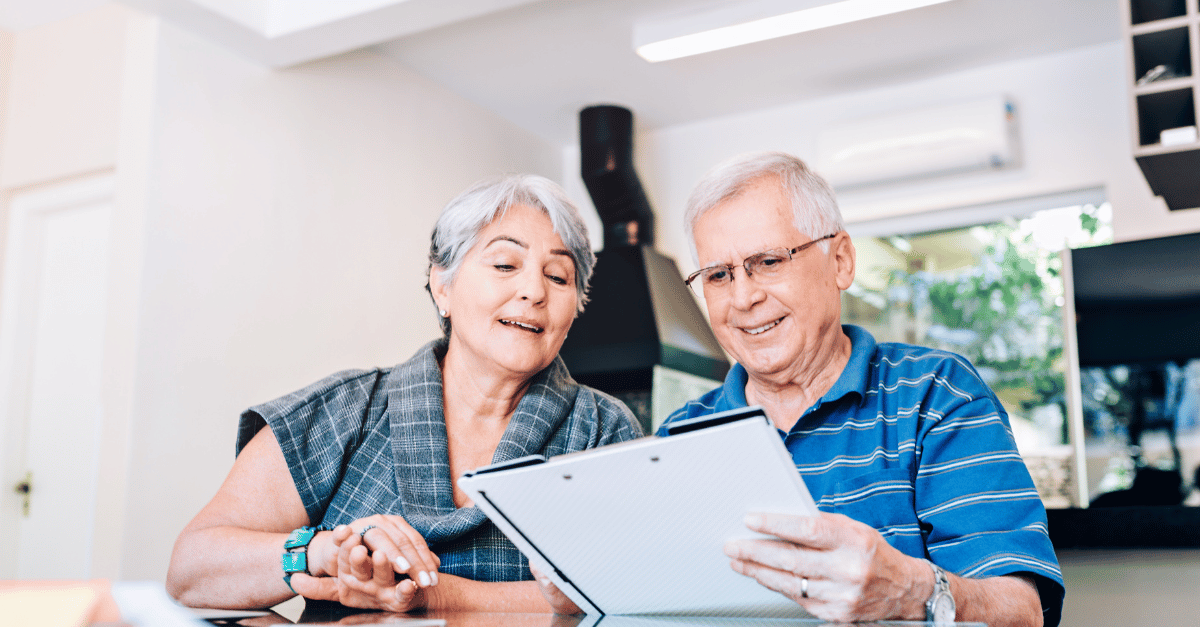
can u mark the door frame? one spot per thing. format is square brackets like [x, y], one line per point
[22, 247]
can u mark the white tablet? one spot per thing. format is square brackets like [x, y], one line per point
[639, 527]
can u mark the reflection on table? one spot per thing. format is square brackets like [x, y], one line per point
[146, 604]
[318, 613]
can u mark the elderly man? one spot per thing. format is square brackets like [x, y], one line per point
[928, 512]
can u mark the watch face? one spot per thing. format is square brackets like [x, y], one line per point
[944, 609]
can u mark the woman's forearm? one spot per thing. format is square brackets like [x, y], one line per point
[233, 568]
[464, 595]
[228, 555]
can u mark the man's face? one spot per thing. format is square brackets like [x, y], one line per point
[773, 327]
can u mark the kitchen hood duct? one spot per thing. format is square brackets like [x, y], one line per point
[606, 164]
[642, 337]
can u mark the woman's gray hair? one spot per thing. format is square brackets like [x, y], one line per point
[814, 205]
[465, 216]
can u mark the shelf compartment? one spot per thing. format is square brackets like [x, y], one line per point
[1160, 111]
[1173, 175]
[1143, 11]
[1170, 48]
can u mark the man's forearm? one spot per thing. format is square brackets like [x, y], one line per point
[1008, 601]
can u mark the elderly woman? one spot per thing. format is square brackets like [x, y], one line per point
[349, 494]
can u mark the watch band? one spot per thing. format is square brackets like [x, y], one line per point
[940, 607]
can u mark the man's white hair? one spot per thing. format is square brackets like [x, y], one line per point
[814, 206]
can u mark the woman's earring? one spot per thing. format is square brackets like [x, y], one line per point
[442, 313]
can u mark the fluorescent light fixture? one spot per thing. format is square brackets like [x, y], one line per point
[781, 25]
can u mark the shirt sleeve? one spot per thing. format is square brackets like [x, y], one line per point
[677, 415]
[977, 504]
[317, 428]
[710, 402]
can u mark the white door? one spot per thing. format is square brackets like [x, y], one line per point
[52, 321]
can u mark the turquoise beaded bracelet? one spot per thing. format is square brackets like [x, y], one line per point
[295, 556]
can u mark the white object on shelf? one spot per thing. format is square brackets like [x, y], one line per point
[1176, 136]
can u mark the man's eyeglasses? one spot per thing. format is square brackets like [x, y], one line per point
[764, 266]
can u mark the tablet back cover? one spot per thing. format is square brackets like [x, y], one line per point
[639, 527]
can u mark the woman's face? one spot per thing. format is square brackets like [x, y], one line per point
[513, 299]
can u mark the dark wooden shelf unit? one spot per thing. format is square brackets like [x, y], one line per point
[1175, 176]
[1165, 33]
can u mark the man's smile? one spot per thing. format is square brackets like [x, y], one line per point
[761, 329]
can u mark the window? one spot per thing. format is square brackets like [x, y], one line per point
[993, 293]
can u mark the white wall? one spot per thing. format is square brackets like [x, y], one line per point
[64, 98]
[6, 52]
[287, 229]
[1072, 111]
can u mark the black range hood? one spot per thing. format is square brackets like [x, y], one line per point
[641, 317]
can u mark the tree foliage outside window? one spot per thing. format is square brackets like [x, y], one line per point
[1001, 315]
[1004, 313]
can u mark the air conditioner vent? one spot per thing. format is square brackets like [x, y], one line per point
[974, 135]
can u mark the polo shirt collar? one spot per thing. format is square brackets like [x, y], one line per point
[733, 393]
[855, 377]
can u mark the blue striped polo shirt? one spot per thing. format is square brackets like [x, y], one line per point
[911, 441]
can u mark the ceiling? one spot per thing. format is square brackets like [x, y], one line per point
[540, 63]
[537, 62]
[19, 15]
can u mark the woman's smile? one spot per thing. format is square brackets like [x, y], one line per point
[523, 325]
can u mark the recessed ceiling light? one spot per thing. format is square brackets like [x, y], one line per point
[780, 25]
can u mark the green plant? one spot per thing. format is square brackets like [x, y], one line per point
[1004, 314]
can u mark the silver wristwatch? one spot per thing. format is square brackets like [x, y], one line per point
[940, 607]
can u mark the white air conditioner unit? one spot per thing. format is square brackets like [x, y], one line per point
[974, 135]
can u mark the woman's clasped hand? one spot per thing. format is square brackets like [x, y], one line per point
[378, 562]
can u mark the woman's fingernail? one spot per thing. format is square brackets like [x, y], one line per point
[753, 520]
[424, 578]
[402, 563]
[433, 576]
